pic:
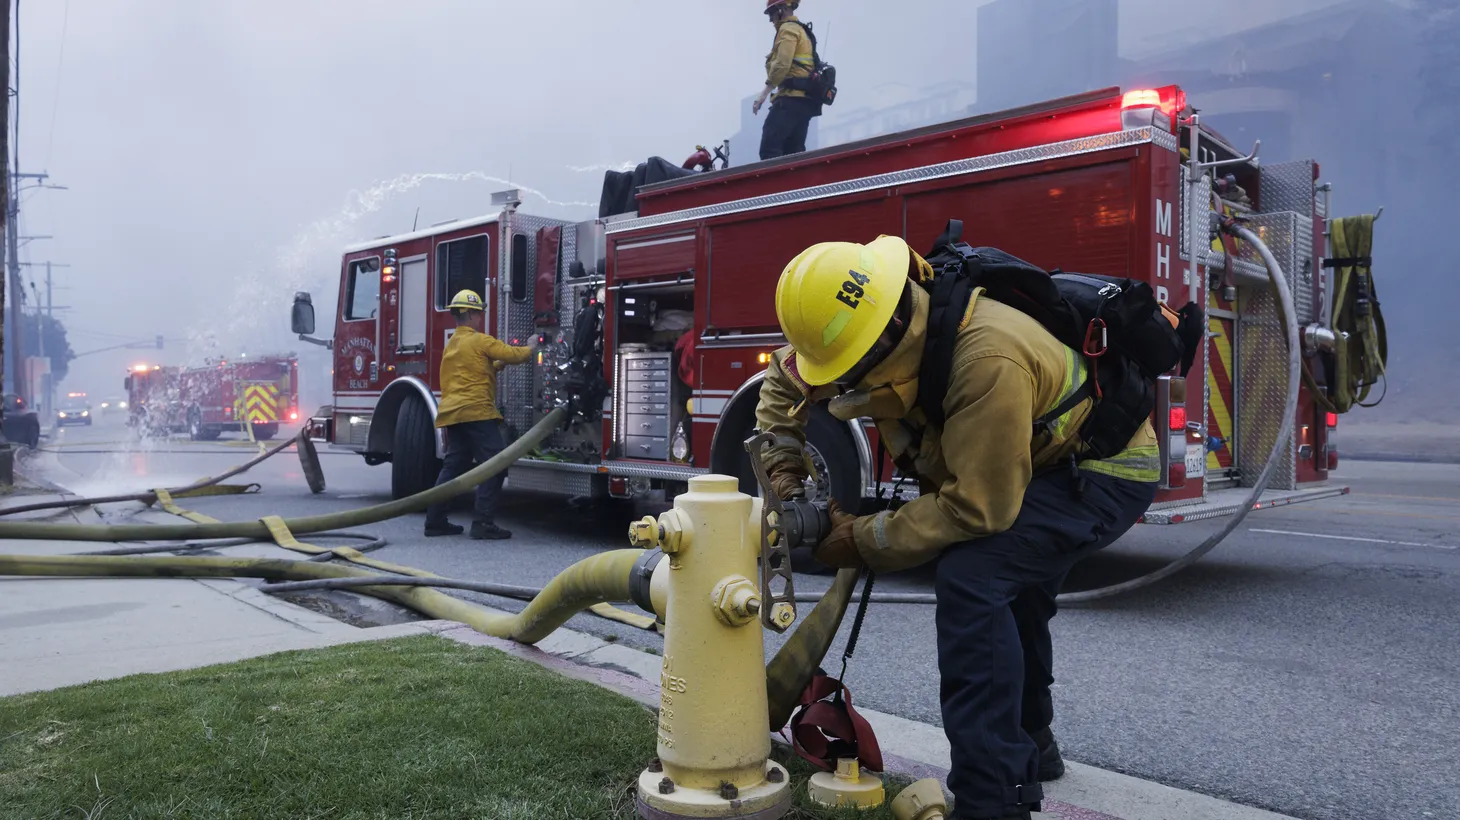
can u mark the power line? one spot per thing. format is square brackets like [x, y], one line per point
[56, 102]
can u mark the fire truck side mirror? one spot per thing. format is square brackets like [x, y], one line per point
[127, 384]
[302, 319]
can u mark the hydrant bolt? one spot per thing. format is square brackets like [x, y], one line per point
[728, 790]
[775, 775]
[656, 765]
[671, 532]
[666, 786]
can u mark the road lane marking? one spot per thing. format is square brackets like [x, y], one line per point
[1410, 497]
[1356, 538]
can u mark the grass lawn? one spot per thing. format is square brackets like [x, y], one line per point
[413, 728]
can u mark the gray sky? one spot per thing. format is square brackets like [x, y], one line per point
[219, 154]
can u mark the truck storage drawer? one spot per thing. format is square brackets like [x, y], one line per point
[643, 425]
[645, 397]
[646, 447]
[655, 363]
[652, 408]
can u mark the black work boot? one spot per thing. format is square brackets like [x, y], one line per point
[487, 531]
[1051, 765]
[444, 528]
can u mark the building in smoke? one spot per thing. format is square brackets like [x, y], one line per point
[1337, 83]
[897, 107]
[1033, 50]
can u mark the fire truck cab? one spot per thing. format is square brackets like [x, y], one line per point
[1113, 183]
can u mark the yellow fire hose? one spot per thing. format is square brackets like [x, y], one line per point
[588, 584]
[298, 526]
[596, 579]
[207, 486]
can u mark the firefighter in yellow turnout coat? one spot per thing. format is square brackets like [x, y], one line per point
[1005, 511]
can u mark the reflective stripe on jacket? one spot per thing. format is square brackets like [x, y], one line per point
[1007, 371]
[791, 57]
[469, 376]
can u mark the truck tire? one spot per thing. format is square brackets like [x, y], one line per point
[413, 464]
[264, 432]
[195, 426]
[832, 452]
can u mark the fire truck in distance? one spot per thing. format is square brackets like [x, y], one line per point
[219, 396]
[673, 286]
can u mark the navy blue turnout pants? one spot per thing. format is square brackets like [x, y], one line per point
[467, 442]
[995, 599]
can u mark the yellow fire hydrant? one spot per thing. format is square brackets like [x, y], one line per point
[714, 743]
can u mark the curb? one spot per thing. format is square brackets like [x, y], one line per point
[909, 748]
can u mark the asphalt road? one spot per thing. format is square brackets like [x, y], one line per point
[1307, 666]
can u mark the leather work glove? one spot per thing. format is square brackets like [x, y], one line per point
[787, 482]
[839, 547]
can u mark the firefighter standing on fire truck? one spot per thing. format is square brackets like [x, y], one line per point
[1003, 526]
[792, 57]
[469, 414]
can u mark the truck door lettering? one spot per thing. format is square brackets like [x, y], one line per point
[1163, 247]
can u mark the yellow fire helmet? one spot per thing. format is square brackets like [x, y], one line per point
[836, 298]
[466, 300]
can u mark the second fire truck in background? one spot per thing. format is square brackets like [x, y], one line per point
[217, 397]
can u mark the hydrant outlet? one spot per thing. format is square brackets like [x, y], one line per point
[736, 601]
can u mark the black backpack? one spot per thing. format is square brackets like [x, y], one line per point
[820, 87]
[1116, 324]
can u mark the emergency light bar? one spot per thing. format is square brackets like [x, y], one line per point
[1153, 107]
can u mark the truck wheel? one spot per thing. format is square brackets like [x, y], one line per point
[264, 432]
[413, 465]
[832, 452]
[195, 426]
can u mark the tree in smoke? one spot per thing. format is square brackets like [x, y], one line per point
[57, 347]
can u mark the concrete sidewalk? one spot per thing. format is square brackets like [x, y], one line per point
[58, 632]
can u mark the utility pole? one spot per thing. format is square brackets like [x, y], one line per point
[44, 323]
[6, 367]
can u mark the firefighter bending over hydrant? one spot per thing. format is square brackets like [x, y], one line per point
[1011, 499]
[469, 414]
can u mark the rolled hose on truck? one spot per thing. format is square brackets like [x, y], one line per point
[601, 578]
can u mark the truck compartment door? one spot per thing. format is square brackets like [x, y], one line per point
[414, 293]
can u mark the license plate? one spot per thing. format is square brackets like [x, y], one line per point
[1196, 461]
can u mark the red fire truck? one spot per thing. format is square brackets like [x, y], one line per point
[1107, 182]
[217, 397]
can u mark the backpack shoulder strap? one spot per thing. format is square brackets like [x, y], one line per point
[810, 35]
[951, 289]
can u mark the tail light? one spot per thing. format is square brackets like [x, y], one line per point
[294, 415]
[1177, 417]
[618, 486]
[1330, 445]
[1171, 408]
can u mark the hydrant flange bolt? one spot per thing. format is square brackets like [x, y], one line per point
[728, 790]
[775, 775]
[671, 532]
[666, 786]
[656, 765]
